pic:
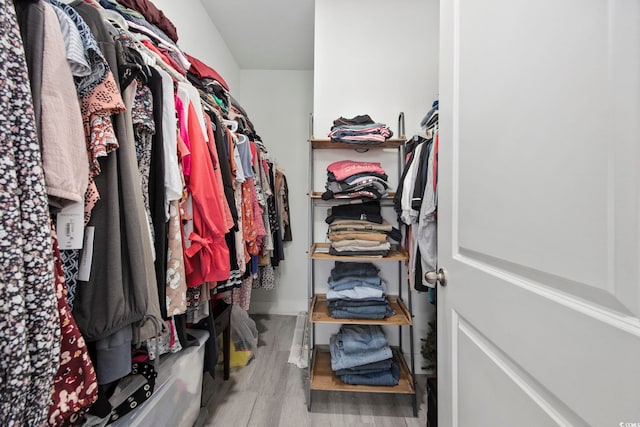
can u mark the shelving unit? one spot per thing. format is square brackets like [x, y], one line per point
[320, 375]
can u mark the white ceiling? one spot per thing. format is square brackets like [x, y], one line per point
[266, 34]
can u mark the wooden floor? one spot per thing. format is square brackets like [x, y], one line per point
[270, 392]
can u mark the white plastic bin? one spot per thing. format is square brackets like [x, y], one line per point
[176, 399]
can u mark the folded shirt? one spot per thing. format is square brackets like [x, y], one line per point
[345, 168]
[353, 178]
[362, 119]
[369, 254]
[363, 194]
[369, 211]
[356, 244]
[370, 132]
[337, 236]
[368, 226]
[359, 225]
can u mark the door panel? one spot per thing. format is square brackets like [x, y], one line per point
[539, 213]
[493, 379]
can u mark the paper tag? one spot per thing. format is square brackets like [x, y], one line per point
[86, 261]
[70, 226]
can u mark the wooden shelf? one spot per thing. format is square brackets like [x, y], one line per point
[394, 255]
[322, 377]
[318, 195]
[317, 143]
[320, 313]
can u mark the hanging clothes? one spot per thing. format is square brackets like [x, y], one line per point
[30, 325]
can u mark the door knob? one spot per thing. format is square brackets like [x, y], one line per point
[433, 277]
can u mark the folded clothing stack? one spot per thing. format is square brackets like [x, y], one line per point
[357, 292]
[360, 354]
[348, 179]
[360, 130]
[359, 230]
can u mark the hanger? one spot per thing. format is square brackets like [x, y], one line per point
[231, 124]
[114, 18]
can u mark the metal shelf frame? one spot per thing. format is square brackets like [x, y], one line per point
[398, 257]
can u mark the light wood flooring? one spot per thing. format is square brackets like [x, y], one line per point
[270, 392]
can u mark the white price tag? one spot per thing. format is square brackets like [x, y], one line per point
[86, 261]
[70, 226]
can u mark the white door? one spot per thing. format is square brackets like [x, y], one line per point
[539, 213]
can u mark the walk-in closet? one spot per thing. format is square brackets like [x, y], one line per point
[319, 212]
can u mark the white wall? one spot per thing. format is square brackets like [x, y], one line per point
[199, 37]
[278, 103]
[377, 57]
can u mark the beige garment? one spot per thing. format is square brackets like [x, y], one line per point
[358, 225]
[64, 150]
[338, 236]
[176, 299]
[353, 245]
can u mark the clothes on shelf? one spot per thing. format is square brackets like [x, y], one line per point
[359, 230]
[359, 293]
[360, 130]
[360, 354]
[143, 188]
[349, 179]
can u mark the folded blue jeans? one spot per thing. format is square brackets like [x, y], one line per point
[350, 282]
[369, 302]
[358, 338]
[388, 377]
[353, 269]
[342, 360]
[345, 314]
[365, 369]
[356, 293]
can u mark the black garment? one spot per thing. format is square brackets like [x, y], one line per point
[421, 177]
[157, 192]
[369, 211]
[363, 119]
[380, 253]
[225, 166]
[274, 221]
[30, 16]
[287, 236]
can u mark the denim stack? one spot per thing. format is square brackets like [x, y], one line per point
[348, 179]
[360, 354]
[361, 130]
[357, 292]
[359, 230]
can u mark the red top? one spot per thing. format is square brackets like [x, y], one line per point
[203, 71]
[207, 259]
